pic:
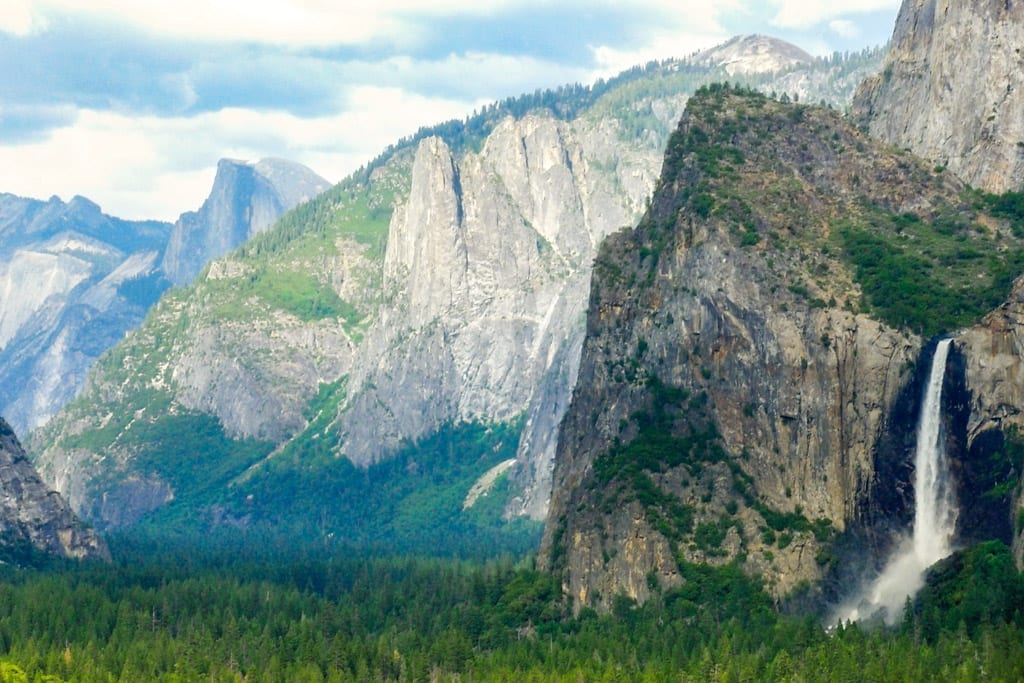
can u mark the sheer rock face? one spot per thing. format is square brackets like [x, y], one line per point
[489, 260]
[991, 360]
[952, 89]
[31, 515]
[474, 308]
[246, 199]
[806, 419]
[688, 329]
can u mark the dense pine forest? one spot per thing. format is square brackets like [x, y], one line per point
[165, 615]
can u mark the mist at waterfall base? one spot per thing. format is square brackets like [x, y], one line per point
[934, 516]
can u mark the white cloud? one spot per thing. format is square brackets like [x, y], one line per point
[799, 14]
[686, 26]
[844, 28]
[493, 76]
[153, 167]
[272, 21]
[283, 22]
[17, 17]
[157, 168]
[327, 22]
[611, 61]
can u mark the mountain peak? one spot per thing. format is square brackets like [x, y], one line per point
[228, 163]
[84, 205]
[752, 54]
[246, 198]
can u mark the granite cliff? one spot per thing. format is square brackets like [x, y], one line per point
[988, 417]
[959, 108]
[33, 518]
[750, 376]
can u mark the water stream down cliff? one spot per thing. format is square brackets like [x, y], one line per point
[935, 513]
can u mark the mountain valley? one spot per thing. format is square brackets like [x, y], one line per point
[712, 370]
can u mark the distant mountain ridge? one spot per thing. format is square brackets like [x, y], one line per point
[72, 281]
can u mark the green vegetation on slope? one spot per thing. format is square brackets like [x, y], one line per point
[191, 453]
[930, 276]
[307, 496]
[360, 210]
[288, 268]
[298, 293]
[777, 172]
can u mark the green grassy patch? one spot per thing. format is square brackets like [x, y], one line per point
[191, 452]
[302, 295]
[930, 273]
[928, 276]
[307, 496]
[353, 209]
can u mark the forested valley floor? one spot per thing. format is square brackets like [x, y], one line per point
[242, 615]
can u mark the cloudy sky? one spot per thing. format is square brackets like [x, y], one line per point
[132, 102]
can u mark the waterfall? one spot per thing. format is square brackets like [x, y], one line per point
[934, 513]
[934, 505]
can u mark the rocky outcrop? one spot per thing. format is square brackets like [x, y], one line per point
[989, 436]
[960, 108]
[489, 259]
[735, 401]
[246, 199]
[752, 54]
[34, 519]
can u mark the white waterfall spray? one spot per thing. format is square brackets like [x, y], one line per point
[934, 513]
